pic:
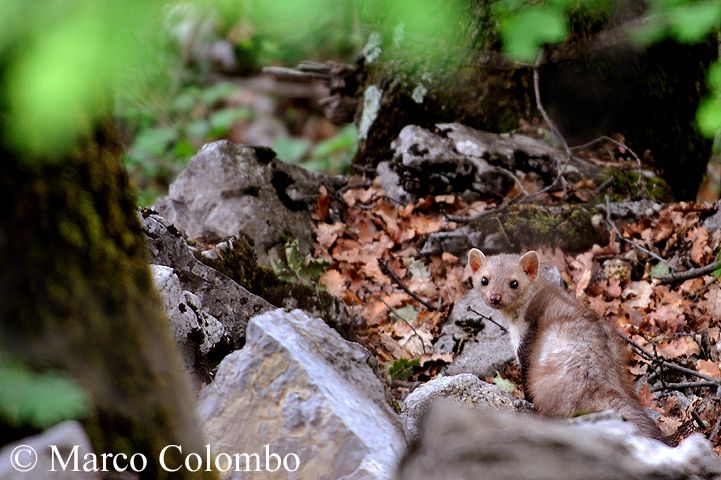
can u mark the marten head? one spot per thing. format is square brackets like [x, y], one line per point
[503, 280]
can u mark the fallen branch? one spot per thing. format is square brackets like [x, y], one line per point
[678, 386]
[613, 226]
[666, 363]
[386, 269]
[692, 273]
[485, 317]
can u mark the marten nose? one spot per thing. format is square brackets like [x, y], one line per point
[495, 298]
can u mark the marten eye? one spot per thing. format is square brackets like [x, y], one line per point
[484, 281]
[514, 284]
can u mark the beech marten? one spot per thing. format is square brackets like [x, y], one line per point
[572, 361]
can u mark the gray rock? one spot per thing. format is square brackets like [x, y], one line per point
[302, 389]
[65, 436]
[714, 221]
[480, 354]
[429, 163]
[459, 443]
[195, 331]
[228, 190]
[465, 390]
[391, 183]
[207, 309]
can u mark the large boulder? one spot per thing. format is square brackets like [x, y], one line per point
[465, 390]
[230, 190]
[458, 444]
[300, 388]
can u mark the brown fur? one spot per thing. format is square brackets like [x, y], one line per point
[572, 361]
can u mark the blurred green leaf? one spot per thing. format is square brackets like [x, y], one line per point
[39, 400]
[186, 99]
[525, 32]
[183, 150]
[291, 149]
[708, 116]
[71, 59]
[153, 143]
[197, 130]
[713, 76]
[691, 22]
[346, 139]
[223, 120]
[217, 92]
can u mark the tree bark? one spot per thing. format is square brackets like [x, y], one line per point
[78, 298]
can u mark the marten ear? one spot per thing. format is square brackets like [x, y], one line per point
[476, 259]
[529, 264]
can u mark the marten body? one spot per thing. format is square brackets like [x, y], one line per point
[572, 361]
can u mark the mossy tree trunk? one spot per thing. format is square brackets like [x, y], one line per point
[77, 297]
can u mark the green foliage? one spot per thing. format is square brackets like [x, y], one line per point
[63, 60]
[503, 384]
[298, 268]
[524, 32]
[38, 400]
[660, 270]
[332, 155]
[402, 369]
[526, 25]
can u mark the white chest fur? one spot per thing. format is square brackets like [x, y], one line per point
[517, 330]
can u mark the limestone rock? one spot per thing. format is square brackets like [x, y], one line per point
[480, 353]
[228, 190]
[460, 444]
[66, 436]
[208, 310]
[195, 331]
[427, 163]
[465, 390]
[298, 386]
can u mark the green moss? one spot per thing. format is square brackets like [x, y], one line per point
[568, 227]
[627, 183]
[77, 286]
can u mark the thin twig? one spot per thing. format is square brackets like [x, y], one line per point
[698, 419]
[630, 242]
[678, 386]
[666, 363]
[353, 186]
[560, 168]
[714, 431]
[415, 332]
[692, 273]
[485, 317]
[618, 144]
[546, 118]
[385, 268]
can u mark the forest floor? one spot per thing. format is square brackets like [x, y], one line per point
[673, 326]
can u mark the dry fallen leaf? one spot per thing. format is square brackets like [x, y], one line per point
[709, 368]
[699, 248]
[334, 281]
[678, 347]
[637, 294]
